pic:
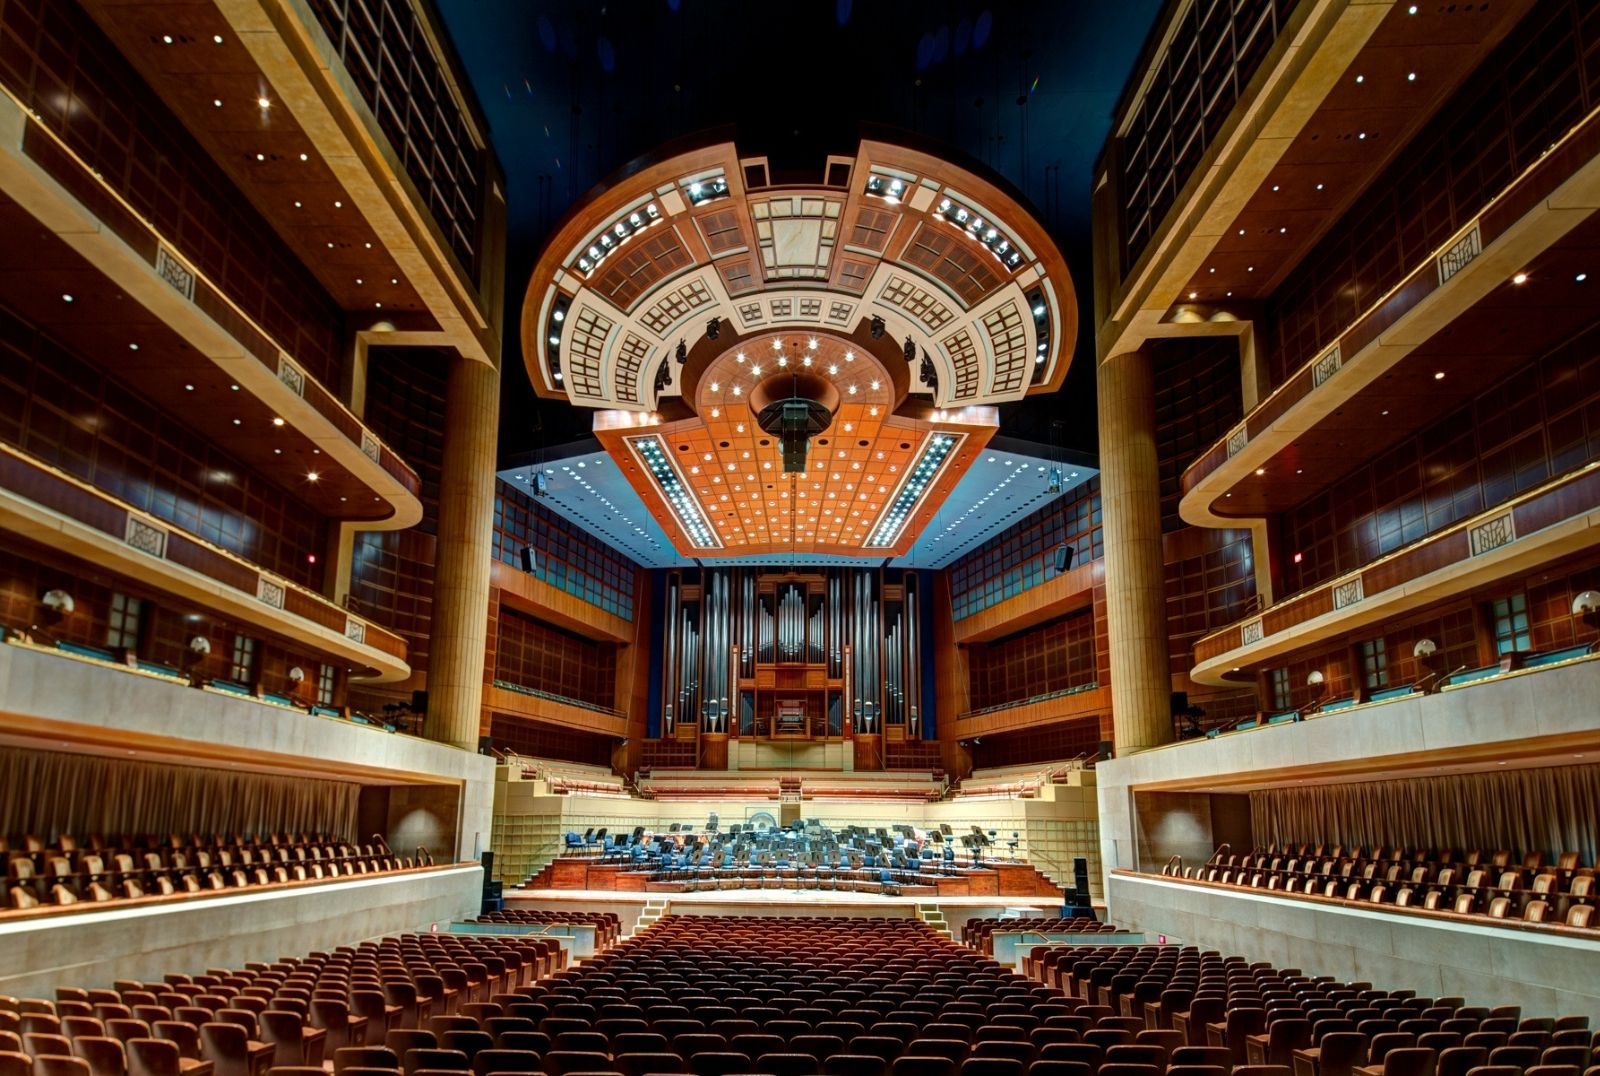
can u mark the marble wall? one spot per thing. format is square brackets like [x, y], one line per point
[1546, 973]
[93, 948]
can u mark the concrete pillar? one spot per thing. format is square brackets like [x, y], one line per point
[1130, 489]
[461, 564]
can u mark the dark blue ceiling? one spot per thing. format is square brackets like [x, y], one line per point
[575, 90]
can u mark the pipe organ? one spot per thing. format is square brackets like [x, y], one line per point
[819, 653]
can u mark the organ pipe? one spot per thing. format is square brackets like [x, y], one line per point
[747, 624]
[913, 659]
[670, 658]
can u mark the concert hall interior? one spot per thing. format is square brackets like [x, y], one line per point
[804, 538]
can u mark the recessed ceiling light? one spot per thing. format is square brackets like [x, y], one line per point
[235, 388]
[166, 39]
[216, 102]
[1411, 76]
[337, 204]
[66, 298]
[237, 422]
[1274, 188]
[1439, 376]
[188, 388]
[216, 38]
[133, 347]
[264, 102]
[1412, 10]
[1581, 277]
[1194, 295]
[1261, 470]
[1360, 79]
[1520, 278]
[312, 476]
[1320, 186]
[277, 421]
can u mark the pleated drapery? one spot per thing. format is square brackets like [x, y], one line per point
[48, 793]
[1551, 809]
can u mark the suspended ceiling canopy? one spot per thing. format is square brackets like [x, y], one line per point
[906, 295]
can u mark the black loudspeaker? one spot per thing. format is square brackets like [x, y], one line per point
[1063, 557]
[419, 702]
[483, 749]
[1180, 701]
[529, 563]
[1105, 750]
[488, 867]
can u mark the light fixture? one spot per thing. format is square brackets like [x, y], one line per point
[1581, 277]
[216, 102]
[312, 476]
[1315, 678]
[1411, 76]
[1520, 278]
[188, 388]
[66, 298]
[264, 103]
[1424, 648]
[216, 39]
[1586, 603]
[277, 421]
[1360, 79]
[1438, 375]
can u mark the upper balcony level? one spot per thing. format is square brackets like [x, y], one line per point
[1484, 266]
[344, 124]
[1248, 130]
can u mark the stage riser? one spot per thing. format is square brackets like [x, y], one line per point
[1004, 879]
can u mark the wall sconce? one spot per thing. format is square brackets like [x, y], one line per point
[1586, 604]
[297, 675]
[1424, 649]
[58, 602]
[1316, 679]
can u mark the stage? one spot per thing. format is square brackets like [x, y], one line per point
[950, 912]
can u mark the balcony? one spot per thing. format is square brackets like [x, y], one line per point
[85, 268]
[1456, 324]
[50, 507]
[1554, 520]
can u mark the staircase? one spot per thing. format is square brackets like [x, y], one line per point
[931, 915]
[654, 909]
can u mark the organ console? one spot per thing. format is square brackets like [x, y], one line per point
[821, 653]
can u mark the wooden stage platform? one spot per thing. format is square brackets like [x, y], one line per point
[1012, 880]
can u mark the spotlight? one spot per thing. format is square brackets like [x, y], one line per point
[713, 328]
[877, 327]
[909, 349]
[682, 354]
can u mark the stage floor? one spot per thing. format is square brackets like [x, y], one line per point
[797, 899]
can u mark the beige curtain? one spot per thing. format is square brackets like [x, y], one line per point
[48, 793]
[1554, 809]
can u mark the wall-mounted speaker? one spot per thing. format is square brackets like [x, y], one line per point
[419, 702]
[484, 745]
[1105, 750]
[1063, 557]
[530, 562]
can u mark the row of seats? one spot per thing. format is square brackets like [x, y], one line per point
[608, 928]
[1564, 893]
[782, 996]
[1251, 1014]
[978, 933]
[133, 867]
[290, 1013]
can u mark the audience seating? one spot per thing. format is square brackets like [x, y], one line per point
[978, 932]
[608, 928]
[1222, 1013]
[1496, 884]
[412, 1003]
[809, 996]
[100, 870]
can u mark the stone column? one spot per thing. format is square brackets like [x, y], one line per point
[1130, 490]
[461, 563]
